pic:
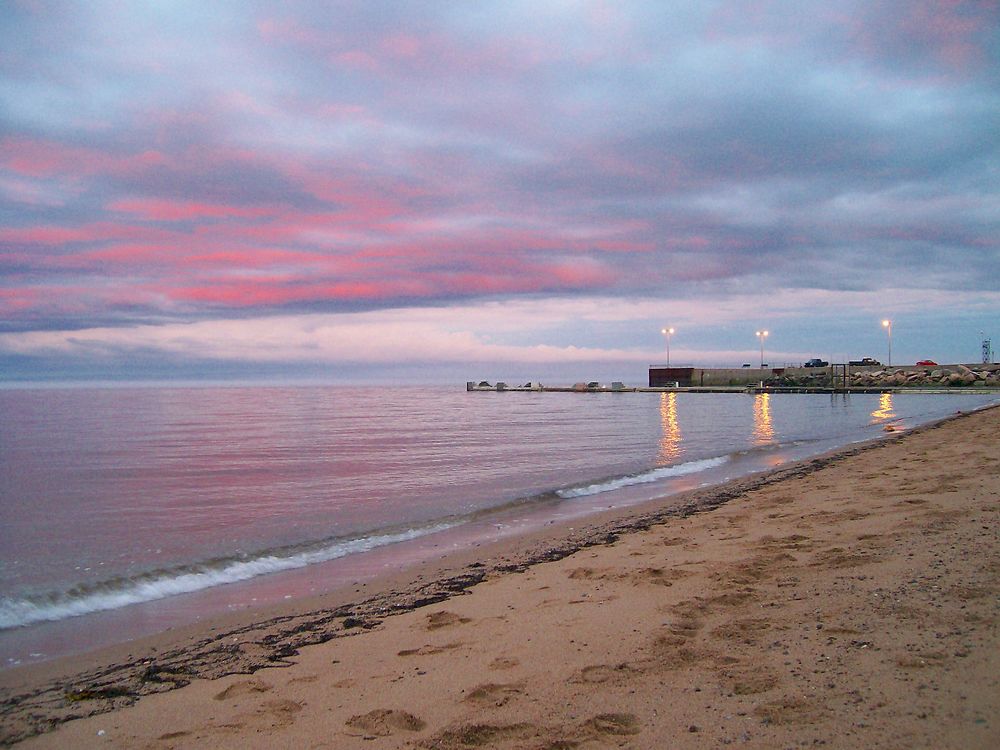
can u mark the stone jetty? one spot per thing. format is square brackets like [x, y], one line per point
[948, 376]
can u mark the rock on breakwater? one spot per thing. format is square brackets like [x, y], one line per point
[940, 376]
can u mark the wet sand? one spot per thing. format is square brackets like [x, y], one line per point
[849, 600]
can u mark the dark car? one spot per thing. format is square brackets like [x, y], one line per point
[926, 363]
[864, 362]
[816, 362]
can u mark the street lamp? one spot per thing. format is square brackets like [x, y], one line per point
[666, 332]
[887, 324]
[762, 335]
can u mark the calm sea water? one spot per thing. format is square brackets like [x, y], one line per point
[127, 510]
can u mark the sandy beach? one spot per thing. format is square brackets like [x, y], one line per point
[849, 600]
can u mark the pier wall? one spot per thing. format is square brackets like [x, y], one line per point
[710, 377]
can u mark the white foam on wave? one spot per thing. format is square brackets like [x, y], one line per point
[59, 606]
[654, 475]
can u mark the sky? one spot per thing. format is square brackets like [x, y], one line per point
[450, 191]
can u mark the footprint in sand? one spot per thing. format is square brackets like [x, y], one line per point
[502, 662]
[494, 694]
[383, 722]
[272, 714]
[248, 687]
[613, 724]
[655, 576]
[754, 569]
[586, 574]
[790, 542]
[748, 680]
[444, 619]
[674, 652]
[673, 541]
[429, 650]
[731, 599]
[920, 661]
[744, 631]
[484, 735]
[687, 618]
[659, 576]
[600, 673]
[686, 627]
[281, 712]
[838, 557]
[791, 710]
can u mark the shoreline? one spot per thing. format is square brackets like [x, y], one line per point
[37, 697]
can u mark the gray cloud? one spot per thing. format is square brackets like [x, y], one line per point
[259, 159]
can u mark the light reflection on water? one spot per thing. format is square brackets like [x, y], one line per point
[763, 427]
[670, 441]
[884, 411]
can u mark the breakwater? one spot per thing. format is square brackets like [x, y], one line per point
[916, 377]
[837, 378]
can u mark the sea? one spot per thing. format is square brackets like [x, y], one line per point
[129, 510]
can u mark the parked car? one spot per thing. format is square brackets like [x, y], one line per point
[816, 362]
[864, 362]
[927, 363]
[746, 364]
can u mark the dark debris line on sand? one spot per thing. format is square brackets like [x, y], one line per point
[246, 649]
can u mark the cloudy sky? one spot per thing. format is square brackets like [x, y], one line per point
[515, 190]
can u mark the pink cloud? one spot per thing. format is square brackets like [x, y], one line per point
[256, 258]
[18, 300]
[40, 158]
[276, 290]
[286, 31]
[350, 279]
[951, 31]
[171, 210]
[103, 231]
[402, 45]
[356, 59]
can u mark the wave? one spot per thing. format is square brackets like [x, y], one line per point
[121, 592]
[653, 475]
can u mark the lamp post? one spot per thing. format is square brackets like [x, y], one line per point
[666, 332]
[762, 335]
[887, 324]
